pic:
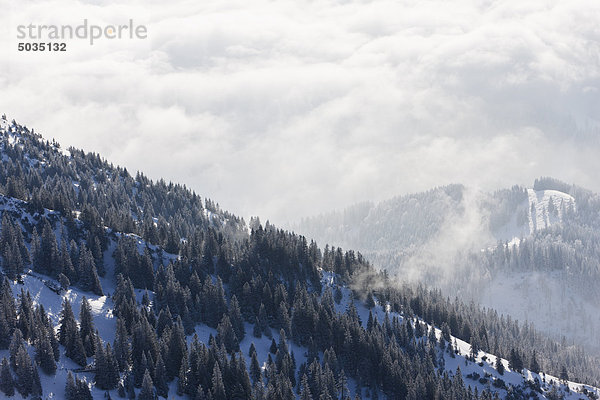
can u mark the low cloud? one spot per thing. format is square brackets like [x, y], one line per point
[291, 108]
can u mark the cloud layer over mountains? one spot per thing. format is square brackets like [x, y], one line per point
[289, 108]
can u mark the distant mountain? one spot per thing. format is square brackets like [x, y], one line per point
[117, 286]
[532, 253]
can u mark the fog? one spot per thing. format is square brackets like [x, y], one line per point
[292, 108]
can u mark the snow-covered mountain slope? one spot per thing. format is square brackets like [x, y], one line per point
[479, 372]
[104, 321]
[545, 300]
[216, 290]
[549, 206]
[470, 244]
[540, 210]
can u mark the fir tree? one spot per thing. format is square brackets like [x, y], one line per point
[70, 387]
[36, 386]
[25, 315]
[499, 366]
[147, 392]
[160, 378]
[16, 343]
[370, 302]
[7, 385]
[88, 271]
[226, 335]
[342, 385]
[235, 316]
[112, 367]
[515, 362]
[8, 314]
[107, 373]
[182, 381]
[86, 327]
[305, 393]
[263, 320]
[338, 295]
[218, 388]
[83, 390]
[257, 330]
[121, 346]
[44, 354]
[255, 371]
[177, 349]
[534, 365]
[24, 372]
[67, 322]
[564, 375]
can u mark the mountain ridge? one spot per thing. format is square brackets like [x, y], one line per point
[476, 246]
[222, 281]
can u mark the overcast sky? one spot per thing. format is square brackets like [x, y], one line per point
[290, 108]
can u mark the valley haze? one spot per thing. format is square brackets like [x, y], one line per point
[295, 108]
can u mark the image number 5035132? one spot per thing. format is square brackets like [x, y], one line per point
[50, 46]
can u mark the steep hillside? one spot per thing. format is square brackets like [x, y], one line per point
[118, 284]
[532, 253]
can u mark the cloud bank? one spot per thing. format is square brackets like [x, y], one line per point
[290, 108]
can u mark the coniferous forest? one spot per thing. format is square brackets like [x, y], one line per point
[173, 265]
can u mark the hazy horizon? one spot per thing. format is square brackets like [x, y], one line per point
[291, 109]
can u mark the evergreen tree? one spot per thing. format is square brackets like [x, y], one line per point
[235, 316]
[7, 385]
[44, 354]
[64, 281]
[86, 327]
[177, 349]
[182, 381]
[160, 378]
[112, 367]
[338, 295]
[48, 257]
[70, 387]
[273, 347]
[107, 373]
[534, 365]
[25, 315]
[121, 346]
[67, 322]
[255, 371]
[342, 385]
[305, 393]
[165, 320]
[35, 249]
[36, 387]
[226, 335]
[129, 385]
[515, 362]
[564, 375]
[83, 390]
[147, 392]
[370, 302]
[499, 366]
[8, 314]
[75, 350]
[257, 330]
[24, 372]
[16, 343]
[218, 388]
[88, 272]
[263, 320]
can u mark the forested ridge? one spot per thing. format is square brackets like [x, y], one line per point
[78, 220]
